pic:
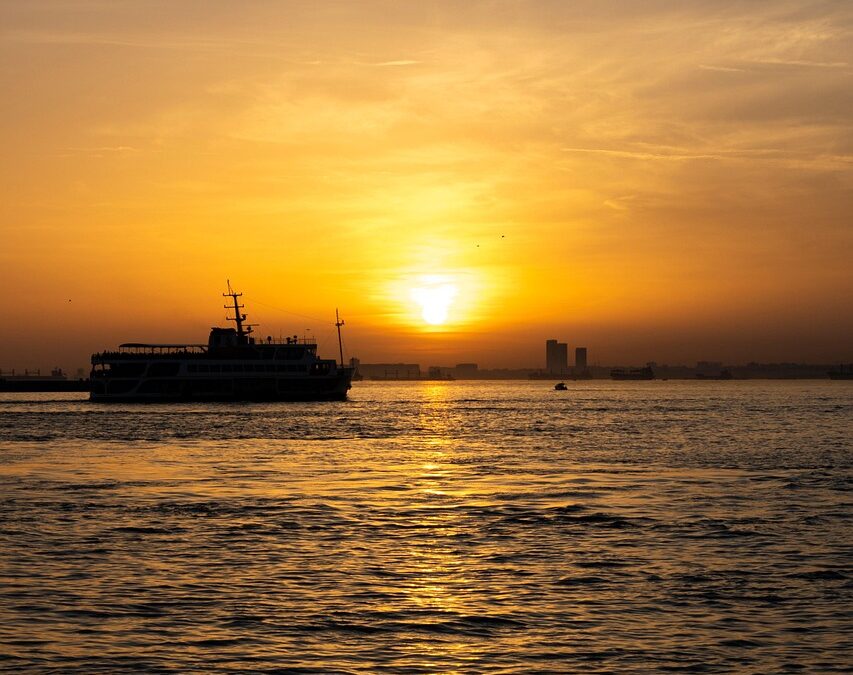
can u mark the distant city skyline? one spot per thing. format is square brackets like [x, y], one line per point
[532, 355]
[701, 370]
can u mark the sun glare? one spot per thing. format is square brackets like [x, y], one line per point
[435, 299]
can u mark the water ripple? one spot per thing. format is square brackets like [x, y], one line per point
[457, 527]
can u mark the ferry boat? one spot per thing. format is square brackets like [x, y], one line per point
[232, 366]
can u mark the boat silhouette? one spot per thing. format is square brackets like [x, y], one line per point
[232, 366]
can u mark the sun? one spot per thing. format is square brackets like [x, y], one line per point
[435, 298]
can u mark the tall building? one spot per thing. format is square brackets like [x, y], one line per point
[556, 356]
[580, 358]
[465, 370]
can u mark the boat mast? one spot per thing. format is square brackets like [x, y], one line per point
[238, 318]
[338, 324]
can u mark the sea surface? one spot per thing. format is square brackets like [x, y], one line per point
[624, 527]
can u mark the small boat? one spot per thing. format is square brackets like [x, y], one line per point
[560, 386]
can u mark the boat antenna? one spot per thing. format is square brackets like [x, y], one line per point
[338, 324]
[238, 318]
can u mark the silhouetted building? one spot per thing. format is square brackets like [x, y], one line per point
[556, 356]
[580, 358]
[709, 366]
[439, 373]
[465, 370]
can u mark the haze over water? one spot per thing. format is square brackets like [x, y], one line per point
[432, 527]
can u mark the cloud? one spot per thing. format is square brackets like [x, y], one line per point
[722, 69]
[382, 64]
[629, 154]
[105, 148]
[160, 42]
[802, 64]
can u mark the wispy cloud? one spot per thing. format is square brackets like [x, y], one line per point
[382, 64]
[106, 148]
[633, 154]
[163, 41]
[99, 151]
[722, 69]
[799, 63]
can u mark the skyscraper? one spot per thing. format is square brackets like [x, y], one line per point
[556, 357]
[580, 358]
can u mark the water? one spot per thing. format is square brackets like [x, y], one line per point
[432, 527]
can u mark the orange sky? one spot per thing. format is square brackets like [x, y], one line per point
[657, 181]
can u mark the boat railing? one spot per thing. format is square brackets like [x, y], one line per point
[292, 340]
[134, 350]
[142, 348]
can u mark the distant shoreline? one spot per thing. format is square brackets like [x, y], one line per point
[83, 385]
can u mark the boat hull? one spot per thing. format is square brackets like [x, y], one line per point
[310, 388]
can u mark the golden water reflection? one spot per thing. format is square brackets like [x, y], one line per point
[457, 545]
